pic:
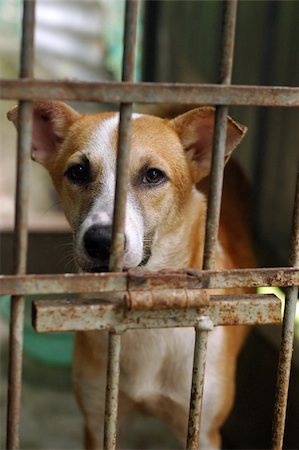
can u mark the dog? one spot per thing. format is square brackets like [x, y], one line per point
[164, 228]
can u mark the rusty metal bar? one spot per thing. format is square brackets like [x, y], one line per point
[287, 339]
[141, 280]
[294, 251]
[218, 155]
[212, 279]
[112, 388]
[124, 136]
[22, 188]
[17, 301]
[88, 315]
[228, 41]
[213, 216]
[199, 363]
[118, 237]
[115, 92]
[20, 234]
[215, 189]
[121, 187]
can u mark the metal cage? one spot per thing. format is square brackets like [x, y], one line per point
[144, 299]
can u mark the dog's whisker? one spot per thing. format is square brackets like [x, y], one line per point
[66, 245]
[51, 207]
[67, 260]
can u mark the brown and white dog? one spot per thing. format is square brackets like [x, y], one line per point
[164, 228]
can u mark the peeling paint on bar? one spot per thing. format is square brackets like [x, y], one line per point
[88, 315]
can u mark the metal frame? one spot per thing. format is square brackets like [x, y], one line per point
[143, 299]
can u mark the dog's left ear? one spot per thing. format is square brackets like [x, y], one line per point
[195, 130]
[51, 122]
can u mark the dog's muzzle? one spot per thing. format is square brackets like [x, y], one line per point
[96, 244]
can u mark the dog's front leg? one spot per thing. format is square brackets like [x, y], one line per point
[89, 377]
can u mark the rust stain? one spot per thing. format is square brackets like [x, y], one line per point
[139, 280]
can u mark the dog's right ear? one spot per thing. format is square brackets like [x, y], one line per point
[51, 121]
[195, 129]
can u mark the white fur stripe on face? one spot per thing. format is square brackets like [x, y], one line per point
[134, 231]
[100, 148]
[103, 138]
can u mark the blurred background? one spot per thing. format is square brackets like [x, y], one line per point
[83, 40]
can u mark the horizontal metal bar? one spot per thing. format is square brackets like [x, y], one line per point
[87, 315]
[62, 284]
[140, 280]
[115, 92]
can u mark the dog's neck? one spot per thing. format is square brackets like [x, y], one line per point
[183, 245]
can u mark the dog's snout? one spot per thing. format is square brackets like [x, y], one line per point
[97, 242]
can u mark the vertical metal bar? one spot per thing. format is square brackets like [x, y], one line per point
[118, 238]
[20, 233]
[228, 39]
[121, 187]
[213, 215]
[199, 363]
[287, 339]
[112, 389]
[122, 169]
[215, 190]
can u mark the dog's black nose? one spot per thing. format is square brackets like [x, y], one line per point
[97, 242]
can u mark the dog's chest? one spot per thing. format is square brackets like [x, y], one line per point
[153, 360]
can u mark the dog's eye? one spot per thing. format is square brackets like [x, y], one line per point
[78, 173]
[153, 177]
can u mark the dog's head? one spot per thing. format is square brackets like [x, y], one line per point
[168, 158]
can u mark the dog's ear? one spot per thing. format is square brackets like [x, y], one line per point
[51, 121]
[195, 130]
